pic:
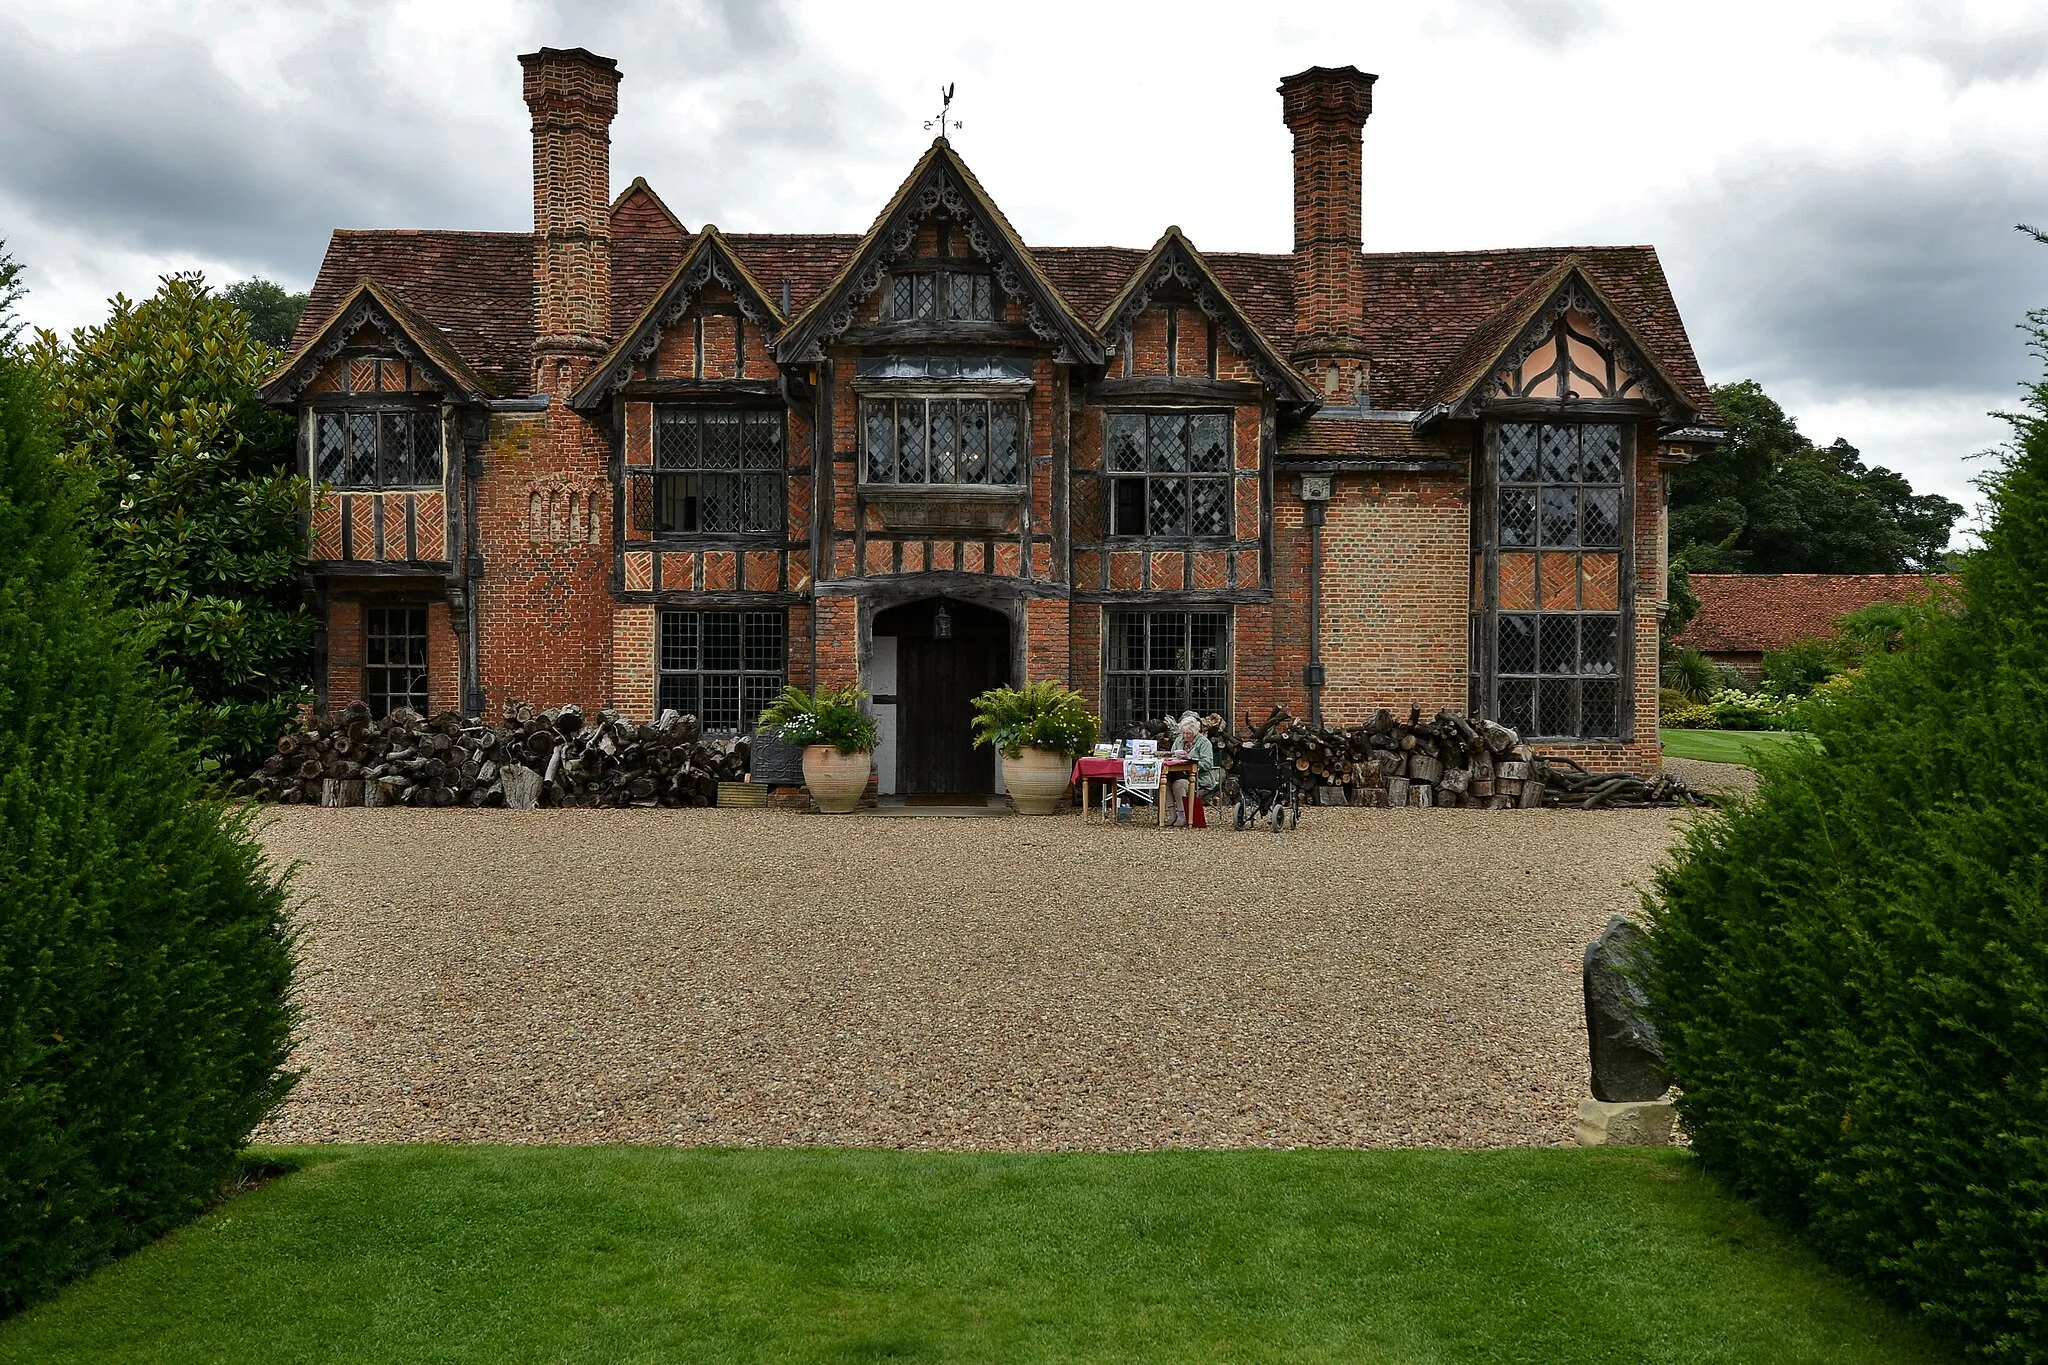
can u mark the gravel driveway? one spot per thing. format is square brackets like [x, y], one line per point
[1378, 978]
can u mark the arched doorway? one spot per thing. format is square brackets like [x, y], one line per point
[933, 657]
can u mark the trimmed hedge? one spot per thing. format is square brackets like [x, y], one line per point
[1851, 972]
[145, 954]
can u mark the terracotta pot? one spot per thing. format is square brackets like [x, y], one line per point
[1036, 779]
[836, 780]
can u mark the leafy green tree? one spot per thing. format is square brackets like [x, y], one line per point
[1770, 501]
[273, 313]
[1851, 972]
[145, 952]
[193, 506]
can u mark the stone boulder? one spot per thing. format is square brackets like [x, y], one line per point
[1627, 1061]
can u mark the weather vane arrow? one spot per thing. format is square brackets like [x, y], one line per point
[943, 121]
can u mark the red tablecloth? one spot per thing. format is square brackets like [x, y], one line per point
[1110, 769]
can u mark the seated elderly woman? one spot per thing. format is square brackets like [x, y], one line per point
[1190, 743]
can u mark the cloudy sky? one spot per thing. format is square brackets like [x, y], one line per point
[1832, 186]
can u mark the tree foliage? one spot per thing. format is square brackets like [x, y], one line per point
[273, 313]
[1851, 973]
[145, 958]
[193, 506]
[1769, 500]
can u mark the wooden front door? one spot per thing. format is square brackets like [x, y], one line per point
[936, 683]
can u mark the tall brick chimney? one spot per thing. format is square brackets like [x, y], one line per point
[573, 96]
[1326, 109]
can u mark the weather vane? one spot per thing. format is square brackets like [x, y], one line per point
[943, 122]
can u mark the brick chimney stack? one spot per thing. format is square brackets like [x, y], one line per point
[573, 95]
[1326, 109]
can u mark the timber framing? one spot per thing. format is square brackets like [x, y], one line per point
[370, 304]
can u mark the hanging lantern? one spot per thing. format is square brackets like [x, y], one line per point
[942, 624]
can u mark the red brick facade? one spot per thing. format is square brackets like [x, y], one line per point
[679, 464]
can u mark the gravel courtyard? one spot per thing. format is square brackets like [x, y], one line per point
[1379, 978]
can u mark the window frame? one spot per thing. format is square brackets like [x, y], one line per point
[379, 410]
[1488, 680]
[1223, 477]
[1186, 673]
[1009, 395]
[413, 637]
[659, 476]
[766, 683]
[983, 290]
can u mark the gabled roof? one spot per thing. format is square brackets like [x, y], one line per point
[640, 212]
[370, 304]
[1174, 260]
[940, 180]
[1523, 321]
[1757, 613]
[711, 257]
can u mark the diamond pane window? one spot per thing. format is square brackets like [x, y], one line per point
[942, 440]
[1160, 663]
[394, 659]
[1169, 473]
[953, 295]
[1553, 674]
[723, 667]
[377, 448]
[717, 470]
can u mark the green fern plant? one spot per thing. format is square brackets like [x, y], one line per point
[1040, 715]
[828, 716]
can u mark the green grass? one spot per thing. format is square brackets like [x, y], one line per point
[645, 1254]
[1724, 746]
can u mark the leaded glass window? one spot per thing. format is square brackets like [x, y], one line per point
[1161, 663]
[1549, 650]
[943, 440]
[376, 448]
[394, 659]
[723, 667]
[949, 295]
[1169, 473]
[718, 469]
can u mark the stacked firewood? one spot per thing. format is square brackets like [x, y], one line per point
[530, 758]
[1445, 760]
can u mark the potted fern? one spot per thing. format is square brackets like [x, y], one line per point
[837, 737]
[1038, 729]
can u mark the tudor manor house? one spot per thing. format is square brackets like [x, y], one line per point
[622, 462]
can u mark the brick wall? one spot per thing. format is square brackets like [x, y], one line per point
[1396, 580]
[543, 524]
[633, 645]
[344, 682]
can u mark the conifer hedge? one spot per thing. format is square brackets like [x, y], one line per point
[145, 953]
[1852, 972]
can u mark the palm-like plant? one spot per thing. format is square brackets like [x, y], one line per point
[1040, 715]
[827, 716]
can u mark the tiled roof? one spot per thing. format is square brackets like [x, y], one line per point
[1753, 613]
[1426, 313]
[1325, 436]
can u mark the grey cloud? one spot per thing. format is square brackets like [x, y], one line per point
[1555, 24]
[1967, 54]
[149, 144]
[1887, 277]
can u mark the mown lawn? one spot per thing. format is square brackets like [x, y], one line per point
[643, 1254]
[1724, 746]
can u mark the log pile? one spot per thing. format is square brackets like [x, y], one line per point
[1445, 760]
[530, 758]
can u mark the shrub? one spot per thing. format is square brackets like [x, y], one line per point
[1799, 667]
[1851, 975]
[827, 716]
[1042, 715]
[1692, 716]
[1735, 710]
[145, 959]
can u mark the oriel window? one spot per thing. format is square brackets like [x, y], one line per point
[944, 440]
[377, 447]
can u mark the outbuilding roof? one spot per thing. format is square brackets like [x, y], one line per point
[1758, 613]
